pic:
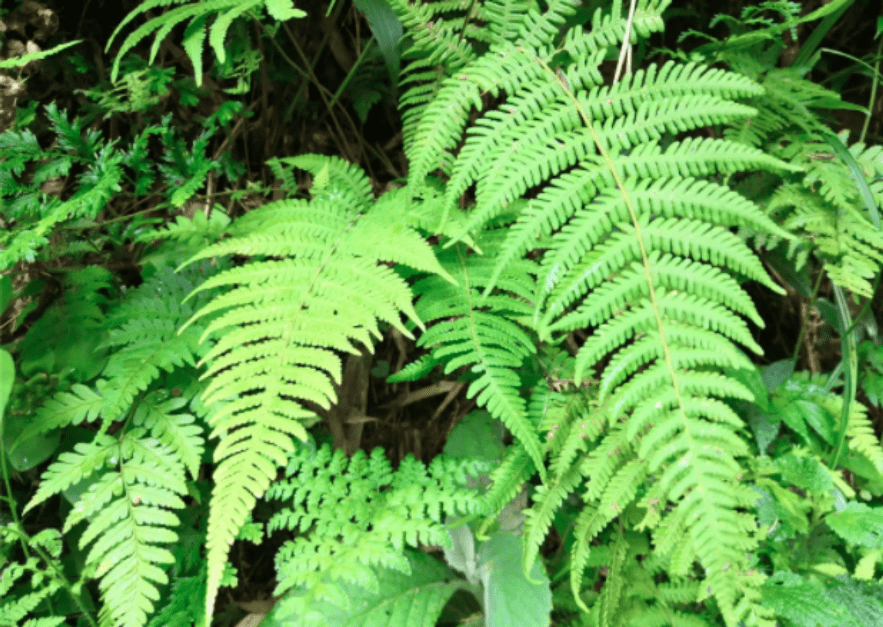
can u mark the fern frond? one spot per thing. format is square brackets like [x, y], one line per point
[178, 431]
[504, 18]
[385, 511]
[467, 333]
[74, 466]
[280, 323]
[66, 408]
[825, 208]
[128, 514]
[17, 607]
[508, 477]
[442, 121]
[225, 12]
[636, 244]
[144, 330]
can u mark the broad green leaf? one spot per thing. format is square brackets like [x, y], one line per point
[510, 599]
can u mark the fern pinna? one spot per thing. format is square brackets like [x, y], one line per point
[635, 226]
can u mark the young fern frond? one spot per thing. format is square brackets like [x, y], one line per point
[128, 514]
[385, 511]
[129, 508]
[283, 322]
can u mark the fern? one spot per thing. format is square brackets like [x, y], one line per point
[28, 211]
[334, 556]
[129, 517]
[45, 579]
[284, 321]
[821, 201]
[636, 239]
[825, 208]
[198, 13]
[130, 484]
[484, 338]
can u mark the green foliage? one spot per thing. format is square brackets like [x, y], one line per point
[385, 511]
[833, 208]
[127, 486]
[31, 212]
[638, 247]
[327, 285]
[574, 249]
[36, 204]
[482, 335]
[197, 15]
[44, 579]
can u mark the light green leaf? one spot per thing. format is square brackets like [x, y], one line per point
[414, 600]
[510, 599]
[281, 10]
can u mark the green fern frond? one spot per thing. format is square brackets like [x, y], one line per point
[66, 408]
[17, 607]
[144, 332]
[636, 245]
[508, 478]
[280, 324]
[689, 158]
[129, 520]
[566, 143]
[547, 499]
[482, 334]
[142, 326]
[825, 208]
[30, 215]
[386, 510]
[225, 12]
[572, 422]
[177, 431]
[504, 18]
[435, 33]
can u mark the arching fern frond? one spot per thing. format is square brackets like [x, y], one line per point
[129, 508]
[281, 323]
[634, 232]
[196, 14]
[484, 338]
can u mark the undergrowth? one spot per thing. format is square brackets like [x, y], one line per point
[573, 260]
